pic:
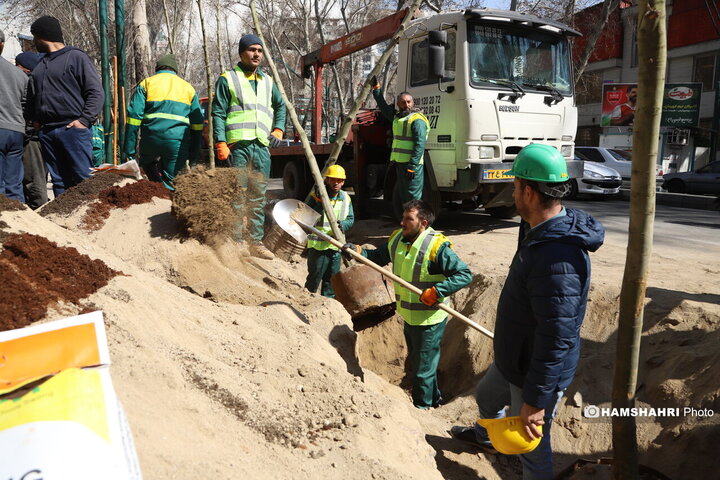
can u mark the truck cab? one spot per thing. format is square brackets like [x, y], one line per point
[501, 81]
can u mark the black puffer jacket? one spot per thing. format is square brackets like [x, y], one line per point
[542, 305]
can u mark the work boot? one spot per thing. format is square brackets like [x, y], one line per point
[259, 250]
[467, 435]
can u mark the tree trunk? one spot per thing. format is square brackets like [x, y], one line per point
[208, 72]
[171, 40]
[652, 49]
[141, 41]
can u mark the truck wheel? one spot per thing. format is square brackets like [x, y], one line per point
[294, 181]
[433, 198]
[504, 212]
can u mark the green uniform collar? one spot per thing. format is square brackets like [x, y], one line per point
[250, 70]
[166, 71]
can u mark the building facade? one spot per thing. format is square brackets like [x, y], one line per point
[693, 53]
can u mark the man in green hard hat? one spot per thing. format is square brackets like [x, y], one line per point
[166, 112]
[540, 310]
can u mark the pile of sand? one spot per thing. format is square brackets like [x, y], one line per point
[228, 368]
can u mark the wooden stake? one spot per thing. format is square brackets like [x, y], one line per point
[115, 87]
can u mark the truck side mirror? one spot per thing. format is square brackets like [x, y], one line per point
[437, 40]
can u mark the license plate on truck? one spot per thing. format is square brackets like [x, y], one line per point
[500, 174]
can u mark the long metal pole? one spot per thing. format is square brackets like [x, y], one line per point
[393, 277]
[105, 66]
[121, 73]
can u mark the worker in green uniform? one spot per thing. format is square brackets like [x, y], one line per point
[410, 132]
[424, 257]
[248, 116]
[323, 258]
[166, 111]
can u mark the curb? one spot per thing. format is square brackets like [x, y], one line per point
[681, 200]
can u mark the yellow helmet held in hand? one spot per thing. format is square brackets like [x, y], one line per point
[335, 171]
[507, 435]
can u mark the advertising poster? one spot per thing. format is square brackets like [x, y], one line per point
[680, 109]
[681, 105]
[618, 104]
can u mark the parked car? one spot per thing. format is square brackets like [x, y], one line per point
[704, 180]
[597, 180]
[619, 160]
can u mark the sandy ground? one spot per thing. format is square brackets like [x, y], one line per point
[228, 368]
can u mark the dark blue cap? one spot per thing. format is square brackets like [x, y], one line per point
[28, 60]
[248, 40]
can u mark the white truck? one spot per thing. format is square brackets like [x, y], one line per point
[490, 82]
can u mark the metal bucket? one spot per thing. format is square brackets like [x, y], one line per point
[282, 244]
[362, 290]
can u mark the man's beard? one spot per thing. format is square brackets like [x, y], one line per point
[404, 113]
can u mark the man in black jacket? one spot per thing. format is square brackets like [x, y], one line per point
[540, 310]
[64, 103]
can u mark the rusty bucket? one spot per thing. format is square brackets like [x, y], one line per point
[362, 290]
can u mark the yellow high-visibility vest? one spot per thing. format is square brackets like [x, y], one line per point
[403, 142]
[250, 115]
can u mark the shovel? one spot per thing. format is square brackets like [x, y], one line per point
[293, 213]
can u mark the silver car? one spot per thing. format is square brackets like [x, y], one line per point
[597, 180]
[704, 180]
[619, 160]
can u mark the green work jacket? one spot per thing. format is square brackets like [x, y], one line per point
[342, 207]
[419, 130]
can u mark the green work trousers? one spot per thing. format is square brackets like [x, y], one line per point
[322, 264]
[410, 189]
[252, 160]
[162, 161]
[423, 344]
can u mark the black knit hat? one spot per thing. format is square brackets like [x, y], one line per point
[47, 28]
[247, 40]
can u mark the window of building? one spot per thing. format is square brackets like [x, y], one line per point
[704, 71]
[419, 69]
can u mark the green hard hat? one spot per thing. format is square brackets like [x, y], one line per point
[541, 163]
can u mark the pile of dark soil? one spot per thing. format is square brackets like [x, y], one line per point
[37, 273]
[135, 193]
[80, 194]
[8, 204]
[203, 203]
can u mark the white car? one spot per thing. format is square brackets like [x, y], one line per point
[597, 180]
[619, 160]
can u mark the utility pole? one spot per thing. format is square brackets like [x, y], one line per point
[105, 65]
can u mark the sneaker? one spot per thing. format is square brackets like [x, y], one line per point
[467, 435]
[259, 250]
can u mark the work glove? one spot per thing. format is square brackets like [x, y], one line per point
[275, 138]
[350, 246]
[222, 151]
[374, 82]
[410, 174]
[429, 296]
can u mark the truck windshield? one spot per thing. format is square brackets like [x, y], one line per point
[534, 59]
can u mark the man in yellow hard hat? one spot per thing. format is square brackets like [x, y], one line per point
[540, 309]
[323, 257]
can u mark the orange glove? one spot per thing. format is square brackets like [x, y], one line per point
[277, 133]
[429, 296]
[222, 150]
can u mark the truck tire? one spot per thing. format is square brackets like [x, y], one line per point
[294, 180]
[504, 212]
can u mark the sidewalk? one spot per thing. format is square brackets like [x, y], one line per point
[682, 200]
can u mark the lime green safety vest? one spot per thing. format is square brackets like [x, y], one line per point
[412, 267]
[341, 209]
[250, 116]
[403, 142]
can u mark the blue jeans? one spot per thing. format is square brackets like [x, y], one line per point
[11, 164]
[493, 394]
[68, 155]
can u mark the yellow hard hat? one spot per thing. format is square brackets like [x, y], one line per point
[507, 435]
[335, 171]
